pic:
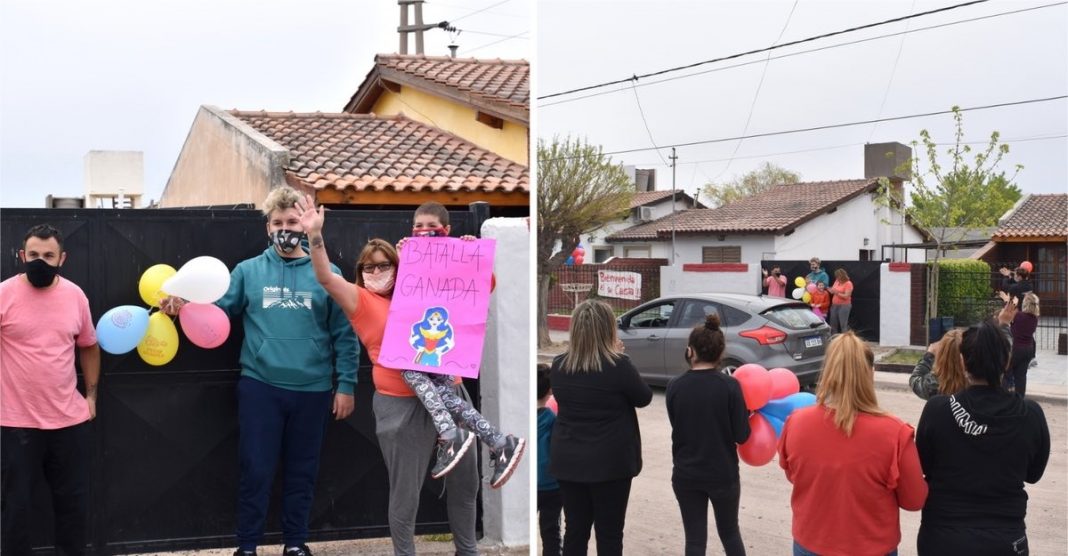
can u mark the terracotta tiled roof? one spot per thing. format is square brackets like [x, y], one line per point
[774, 211]
[643, 198]
[500, 87]
[1038, 216]
[369, 153]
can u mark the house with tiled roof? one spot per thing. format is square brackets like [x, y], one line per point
[834, 220]
[418, 129]
[1035, 229]
[645, 206]
[485, 101]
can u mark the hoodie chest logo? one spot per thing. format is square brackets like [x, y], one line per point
[964, 419]
[275, 297]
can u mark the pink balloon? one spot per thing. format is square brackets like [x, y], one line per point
[760, 447]
[551, 404]
[811, 287]
[1026, 265]
[205, 324]
[783, 383]
[756, 385]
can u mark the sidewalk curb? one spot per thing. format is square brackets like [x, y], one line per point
[1043, 397]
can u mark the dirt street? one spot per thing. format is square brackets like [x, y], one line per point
[655, 527]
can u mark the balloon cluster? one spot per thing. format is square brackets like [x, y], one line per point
[577, 256]
[803, 292]
[772, 396]
[202, 281]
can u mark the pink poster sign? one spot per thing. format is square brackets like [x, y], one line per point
[437, 318]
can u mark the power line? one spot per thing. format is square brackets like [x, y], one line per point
[756, 95]
[832, 126]
[510, 37]
[480, 11]
[773, 47]
[647, 130]
[850, 145]
[893, 71]
[812, 50]
[487, 33]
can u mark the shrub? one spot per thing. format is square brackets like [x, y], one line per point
[964, 290]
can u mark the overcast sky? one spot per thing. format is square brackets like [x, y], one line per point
[130, 74]
[998, 60]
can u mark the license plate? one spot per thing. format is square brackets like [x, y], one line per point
[814, 341]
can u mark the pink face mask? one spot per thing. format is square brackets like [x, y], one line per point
[428, 232]
[379, 282]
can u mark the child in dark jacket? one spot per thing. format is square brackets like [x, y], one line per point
[549, 503]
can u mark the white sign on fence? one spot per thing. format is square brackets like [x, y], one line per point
[623, 285]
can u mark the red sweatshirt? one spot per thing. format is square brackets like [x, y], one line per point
[847, 490]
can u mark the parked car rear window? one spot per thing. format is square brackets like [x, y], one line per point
[793, 316]
[732, 316]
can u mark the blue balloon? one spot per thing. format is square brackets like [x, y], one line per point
[122, 328]
[783, 407]
[570, 261]
[776, 423]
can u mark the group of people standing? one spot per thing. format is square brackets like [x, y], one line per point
[852, 465]
[299, 316]
[832, 301]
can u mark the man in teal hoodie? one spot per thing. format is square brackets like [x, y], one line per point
[296, 338]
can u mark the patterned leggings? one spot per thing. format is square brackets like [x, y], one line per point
[447, 409]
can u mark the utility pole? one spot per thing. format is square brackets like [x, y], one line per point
[418, 27]
[674, 160]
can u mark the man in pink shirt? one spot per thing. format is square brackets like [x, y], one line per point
[776, 283]
[44, 420]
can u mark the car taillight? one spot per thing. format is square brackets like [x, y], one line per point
[765, 335]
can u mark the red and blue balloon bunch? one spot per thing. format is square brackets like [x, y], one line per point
[772, 396]
[202, 281]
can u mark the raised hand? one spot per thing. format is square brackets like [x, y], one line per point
[311, 219]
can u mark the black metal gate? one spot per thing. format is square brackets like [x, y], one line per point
[864, 317]
[165, 463]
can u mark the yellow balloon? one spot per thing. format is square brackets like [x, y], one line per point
[799, 282]
[160, 343]
[806, 297]
[151, 282]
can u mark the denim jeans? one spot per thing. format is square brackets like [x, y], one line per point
[802, 551]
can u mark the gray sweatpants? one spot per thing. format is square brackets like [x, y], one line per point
[839, 318]
[406, 436]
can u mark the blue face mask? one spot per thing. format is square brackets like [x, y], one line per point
[287, 240]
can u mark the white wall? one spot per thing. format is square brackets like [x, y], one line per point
[676, 281]
[840, 235]
[688, 247]
[507, 362]
[895, 306]
[596, 238]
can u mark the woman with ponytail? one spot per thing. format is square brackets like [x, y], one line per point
[708, 419]
[853, 465]
[978, 447]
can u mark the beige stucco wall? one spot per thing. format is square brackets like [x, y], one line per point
[509, 142]
[224, 161]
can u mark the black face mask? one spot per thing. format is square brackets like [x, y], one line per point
[40, 274]
[287, 240]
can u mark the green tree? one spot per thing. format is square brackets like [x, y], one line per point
[579, 190]
[971, 191]
[765, 177]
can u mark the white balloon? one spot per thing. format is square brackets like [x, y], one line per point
[798, 292]
[201, 280]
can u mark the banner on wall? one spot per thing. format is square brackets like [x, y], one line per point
[437, 318]
[622, 285]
